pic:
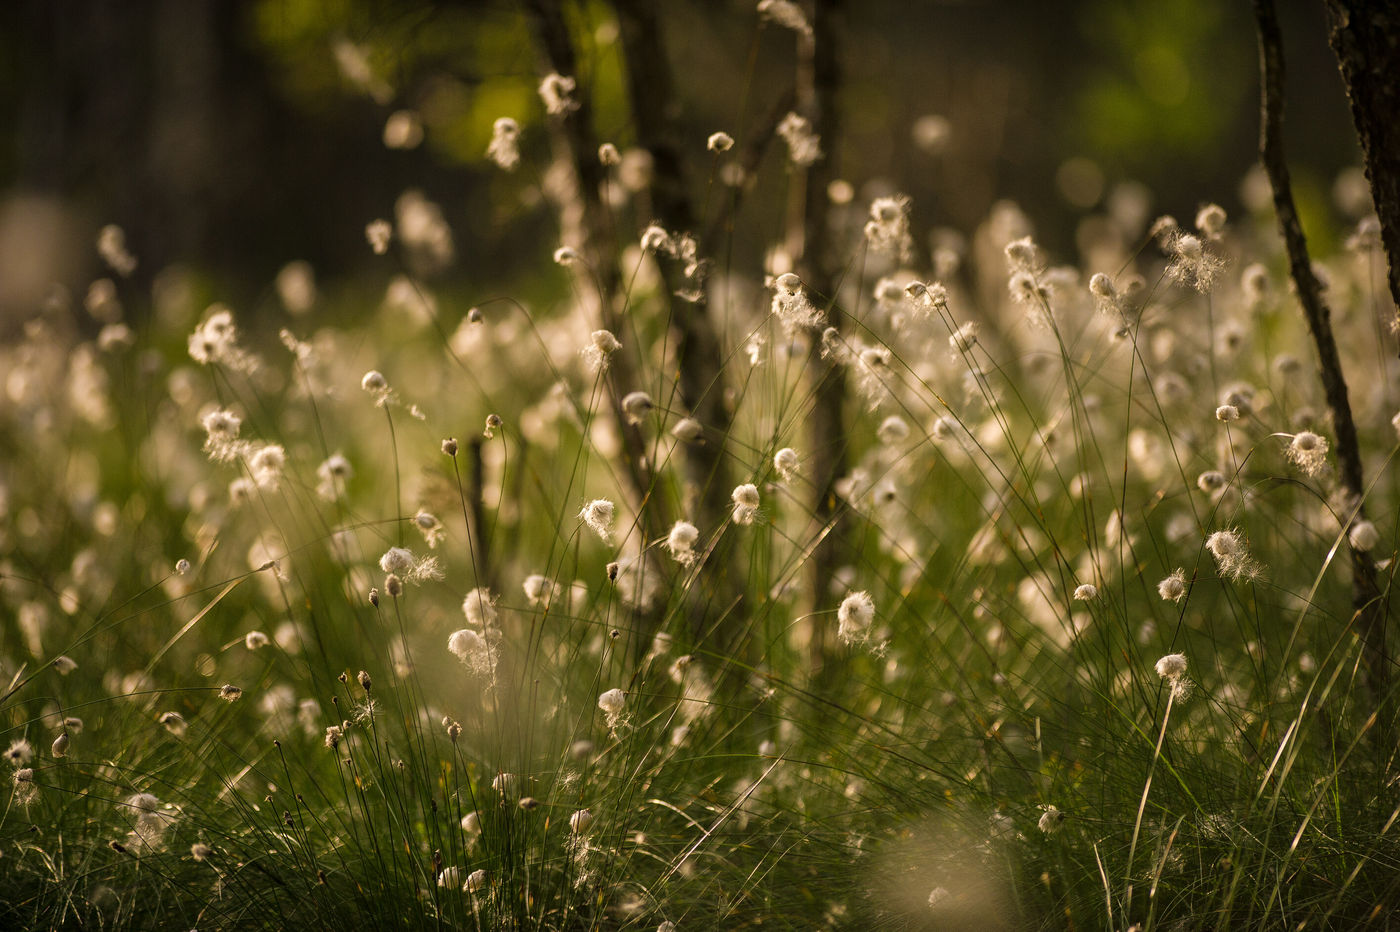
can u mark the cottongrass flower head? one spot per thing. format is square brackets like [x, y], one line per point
[451, 877]
[1227, 413]
[1086, 592]
[26, 791]
[856, 614]
[200, 851]
[1193, 262]
[1363, 536]
[429, 526]
[59, 748]
[64, 664]
[215, 342]
[400, 562]
[887, 230]
[1172, 668]
[719, 142]
[221, 428]
[745, 498]
[1232, 555]
[19, 753]
[538, 589]
[255, 640]
[379, 233]
[479, 607]
[608, 155]
[332, 475]
[598, 515]
[636, 406]
[374, 382]
[557, 92]
[786, 464]
[504, 148]
[478, 652]
[1050, 820]
[230, 693]
[1173, 588]
[601, 345]
[791, 306]
[1308, 451]
[688, 430]
[804, 146]
[476, 881]
[581, 821]
[681, 542]
[174, 723]
[1211, 481]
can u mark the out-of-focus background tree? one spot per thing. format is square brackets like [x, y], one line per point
[233, 136]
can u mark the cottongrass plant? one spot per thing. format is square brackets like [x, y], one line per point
[642, 714]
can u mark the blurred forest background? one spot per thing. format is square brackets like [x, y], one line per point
[234, 136]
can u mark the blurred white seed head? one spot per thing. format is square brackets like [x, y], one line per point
[378, 233]
[254, 640]
[557, 92]
[856, 614]
[1363, 536]
[580, 821]
[719, 142]
[636, 405]
[786, 463]
[1086, 592]
[230, 693]
[608, 155]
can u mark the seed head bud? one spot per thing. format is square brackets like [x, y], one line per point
[608, 155]
[719, 142]
[374, 597]
[449, 446]
[393, 585]
[365, 682]
[182, 566]
[60, 745]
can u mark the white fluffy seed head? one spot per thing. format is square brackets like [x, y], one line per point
[580, 821]
[1086, 592]
[1227, 413]
[1173, 587]
[598, 515]
[1172, 666]
[613, 701]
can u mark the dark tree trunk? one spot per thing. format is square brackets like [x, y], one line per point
[1366, 37]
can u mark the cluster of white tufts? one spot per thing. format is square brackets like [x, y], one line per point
[745, 498]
